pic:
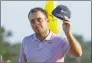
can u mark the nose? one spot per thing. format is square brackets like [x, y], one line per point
[36, 22]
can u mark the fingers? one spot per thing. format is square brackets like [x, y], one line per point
[66, 22]
[66, 18]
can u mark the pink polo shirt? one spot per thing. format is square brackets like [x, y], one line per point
[51, 49]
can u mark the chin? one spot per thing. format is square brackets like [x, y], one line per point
[39, 31]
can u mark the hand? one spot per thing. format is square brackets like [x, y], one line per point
[66, 25]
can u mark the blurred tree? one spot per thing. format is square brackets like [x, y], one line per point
[5, 47]
[86, 47]
[80, 38]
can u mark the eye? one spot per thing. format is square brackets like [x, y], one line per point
[39, 19]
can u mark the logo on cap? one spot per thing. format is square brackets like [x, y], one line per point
[64, 11]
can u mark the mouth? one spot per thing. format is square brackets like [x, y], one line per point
[39, 28]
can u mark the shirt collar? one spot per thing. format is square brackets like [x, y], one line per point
[47, 38]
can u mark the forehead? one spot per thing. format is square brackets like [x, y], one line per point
[37, 14]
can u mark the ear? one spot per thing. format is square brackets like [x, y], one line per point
[47, 20]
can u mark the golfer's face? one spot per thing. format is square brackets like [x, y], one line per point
[38, 22]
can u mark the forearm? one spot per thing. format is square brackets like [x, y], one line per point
[75, 47]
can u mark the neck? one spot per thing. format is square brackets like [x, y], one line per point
[42, 36]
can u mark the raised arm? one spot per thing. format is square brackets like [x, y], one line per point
[75, 47]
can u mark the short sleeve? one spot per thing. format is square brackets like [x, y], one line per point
[66, 45]
[22, 57]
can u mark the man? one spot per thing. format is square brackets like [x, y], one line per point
[44, 45]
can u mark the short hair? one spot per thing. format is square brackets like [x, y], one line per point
[36, 10]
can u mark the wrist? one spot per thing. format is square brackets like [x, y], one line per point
[68, 33]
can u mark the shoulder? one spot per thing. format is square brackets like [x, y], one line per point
[27, 39]
[58, 37]
[62, 40]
